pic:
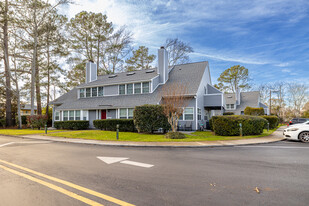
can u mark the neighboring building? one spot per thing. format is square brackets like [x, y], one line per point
[237, 102]
[115, 96]
[25, 109]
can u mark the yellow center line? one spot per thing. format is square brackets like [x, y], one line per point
[72, 185]
[54, 187]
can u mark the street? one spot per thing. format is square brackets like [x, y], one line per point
[49, 173]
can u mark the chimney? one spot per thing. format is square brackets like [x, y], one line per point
[91, 72]
[163, 64]
[237, 95]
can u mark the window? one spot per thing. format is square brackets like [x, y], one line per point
[81, 93]
[129, 88]
[145, 87]
[188, 114]
[88, 92]
[130, 113]
[100, 93]
[206, 115]
[65, 115]
[57, 116]
[85, 113]
[77, 114]
[122, 89]
[71, 115]
[123, 113]
[230, 106]
[137, 88]
[199, 114]
[94, 91]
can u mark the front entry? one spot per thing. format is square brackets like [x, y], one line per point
[103, 114]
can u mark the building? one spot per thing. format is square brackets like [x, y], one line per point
[25, 109]
[115, 96]
[237, 102]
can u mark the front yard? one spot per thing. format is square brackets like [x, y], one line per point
[129, 136]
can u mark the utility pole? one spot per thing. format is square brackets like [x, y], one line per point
[270, 102]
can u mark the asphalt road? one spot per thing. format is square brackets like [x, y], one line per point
[268, 174]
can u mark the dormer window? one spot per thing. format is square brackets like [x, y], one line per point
[122, 89]
[145, 87]
[129, 88]
[230, 106]
[81, 93]
[88, 92]
[94, 91]
[137, 88]
[100, 92]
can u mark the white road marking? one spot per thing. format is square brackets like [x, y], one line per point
[111, 160]
[34, 142]
[3, 145]
[139, 164]
[278, 147]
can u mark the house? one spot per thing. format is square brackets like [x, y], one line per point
[237, 102]
[25, 109]
[115, 96]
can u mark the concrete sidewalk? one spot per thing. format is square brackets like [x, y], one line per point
[276, 136]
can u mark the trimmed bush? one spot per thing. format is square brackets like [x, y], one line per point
[254, 111]
[175, 135]
[272, 120]
[125, 125]
[72, 125]
[228, 113]
[37, 121]
[229, 125]
[211, 124]
[2, 123]
[149, 118]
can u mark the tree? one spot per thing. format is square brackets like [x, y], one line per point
[232, 78]
[174, 100]
[298, 96]
[140, 59]
[177, 51]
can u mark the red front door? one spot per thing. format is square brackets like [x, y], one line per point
[103, 114]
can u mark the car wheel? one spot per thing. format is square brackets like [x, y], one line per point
[304, 136]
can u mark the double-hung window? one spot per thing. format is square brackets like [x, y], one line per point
[85, 113]
[188, 114]
[81, 93]
[199, 114]
[77, 114]
[137, 88]
[145, 87]
[94, 91]
[129, 88]
[122, 89]
[88, 92]
[57, 116]
[100, 92]
[71, 115]
[130, 113]
[65, 115]
[123, 113]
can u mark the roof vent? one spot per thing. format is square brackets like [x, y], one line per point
[112, 76]
[150, 71]
[229, 96]
[130, 73]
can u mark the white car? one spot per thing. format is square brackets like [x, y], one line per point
[298, 132]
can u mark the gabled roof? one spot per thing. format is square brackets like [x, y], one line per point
[27, 107]
[123, 77]
[250, 99]
[189, 74]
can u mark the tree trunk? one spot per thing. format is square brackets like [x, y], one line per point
[8, 97]
[48, 79]
[34, 58]
[38, 90]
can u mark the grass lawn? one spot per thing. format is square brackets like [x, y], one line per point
[25, 131]
[130, 136]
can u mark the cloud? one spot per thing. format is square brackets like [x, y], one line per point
[286, 70]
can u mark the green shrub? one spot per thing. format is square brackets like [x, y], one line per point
[149, 118]
[125, 125]
[229, 125]
[228, 113]
[272, 120]
[37, 121]
[211, 125]
[254, 111]
[23, 120]
[175, 135]
[72, 125]
[2, 123]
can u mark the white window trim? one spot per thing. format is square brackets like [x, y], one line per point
[56, 115]
[183, 114]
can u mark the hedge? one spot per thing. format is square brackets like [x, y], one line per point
[125, 125]
[72, 125]
[254, 111]
[37, 121]
[2, 123]
[228, 113]
[23, 120]
[175, 135]
[229, 125]
[273, 121]
[149, 118]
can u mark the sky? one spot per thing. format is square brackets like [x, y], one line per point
[269, 37]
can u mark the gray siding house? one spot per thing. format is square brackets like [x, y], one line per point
[115, 96]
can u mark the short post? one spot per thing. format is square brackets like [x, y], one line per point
[240, 129]
[45, 128]
[117, 131]
[268, 127]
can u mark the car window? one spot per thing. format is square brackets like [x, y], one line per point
[302, 120]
